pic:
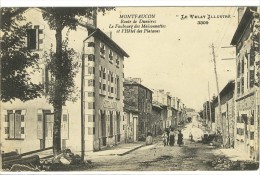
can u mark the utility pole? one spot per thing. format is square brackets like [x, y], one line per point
[210, 119]
[216, 76]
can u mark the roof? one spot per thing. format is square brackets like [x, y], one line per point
[96, 32]
[230, 87]
[157, 106]
[245, 21]
[128, 83]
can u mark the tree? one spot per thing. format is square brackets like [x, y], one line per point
[17, 62]
[61, 62]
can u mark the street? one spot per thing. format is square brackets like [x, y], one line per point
[191, 156]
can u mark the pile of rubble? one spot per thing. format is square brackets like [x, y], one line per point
[63, 161]
[66, 160]
[226, 164]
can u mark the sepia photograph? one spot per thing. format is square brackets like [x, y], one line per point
[87, 89]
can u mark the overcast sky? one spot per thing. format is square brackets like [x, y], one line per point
[178, 59]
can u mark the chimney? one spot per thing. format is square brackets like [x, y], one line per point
[161, 90]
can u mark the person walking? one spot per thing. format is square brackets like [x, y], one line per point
[172, 137]
[180, 138]
[168, 136]
[164, 137]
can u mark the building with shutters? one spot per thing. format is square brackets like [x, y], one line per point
[28, 126]
[226, 122]
[247, 103]
[103, 91]
[137, 108]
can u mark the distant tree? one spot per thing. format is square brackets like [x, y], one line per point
[61, 60]
[17, 62]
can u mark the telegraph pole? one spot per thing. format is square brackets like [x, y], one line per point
[210, 118]
[216, 76]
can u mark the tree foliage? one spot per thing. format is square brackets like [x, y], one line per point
[17, 62]
[66, 74]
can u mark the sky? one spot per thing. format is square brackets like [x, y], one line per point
[179, 58]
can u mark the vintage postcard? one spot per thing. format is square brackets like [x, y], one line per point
[130, 89]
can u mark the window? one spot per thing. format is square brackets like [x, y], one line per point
[238, 87]
[238, 68]
[242, 85]
[91, 105]
[242, 66]
[102, 50]
[110, 56]
[252, 78]
[117, 61]
[112, 90]
[91, 57]
[108, 88]
[32, 39]
[14, 127]
[91, 70]
[91, 44]
[65, 117]
[251, 135]
[104, 75]
[108, 77]
[118, 88]
[104, 87]
[91, 130]
[252, 121]
[91, 94]
[91, 82]
[91, 118]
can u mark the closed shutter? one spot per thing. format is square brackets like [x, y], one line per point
[65, 126]
[11, 126]
[17, 132]
[39, 126]
[252, 78]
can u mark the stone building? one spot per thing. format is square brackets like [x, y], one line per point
[226, 122]
[246, 39]
[138, 108]
[99, 79]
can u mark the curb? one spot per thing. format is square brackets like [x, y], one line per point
[127, 152]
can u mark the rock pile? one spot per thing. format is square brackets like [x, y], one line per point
[226, 164]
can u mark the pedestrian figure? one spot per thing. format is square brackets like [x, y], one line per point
[168, 136]
[164, 136]
[180, 138]
[172, 137]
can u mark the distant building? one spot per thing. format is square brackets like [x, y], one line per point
[246, 39]
[137, 108]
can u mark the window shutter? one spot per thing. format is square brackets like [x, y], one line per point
[252, 57]
[252, 78]
[17, 132]
[6, 124]
[39, 126]
[11, 125]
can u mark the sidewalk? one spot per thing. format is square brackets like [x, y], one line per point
[234, 154]
[119, 150]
